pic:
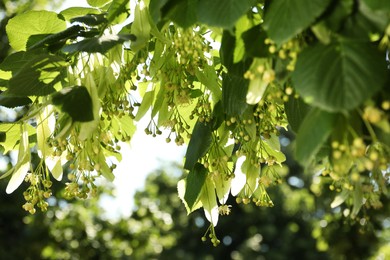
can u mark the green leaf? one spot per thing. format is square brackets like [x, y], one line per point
[296, 111]
[183, 13]
[194, 184]
[147, 101]
[98, 44]
[12, 135]
[208, 77]
[340, 198]
[285, 18]
[234, 91]
[272, 148]
[141, 27]
[242, 25]
[194, 93]
[38, 76]
[358, 199]
[75, 101]
[222, 187]
[339, 76]
[118, 10]
[23, 163]
[155, 7]
[12, 102]
[16, 61]
[181, 190]
[55, 41]
[98, 3]
[199, 144]
[209, 201]
[222, 13]
[313, 132]
[73, 12]
[258, 35]
[90, 19]
[378, 4]
[21, 27]
[105, 171]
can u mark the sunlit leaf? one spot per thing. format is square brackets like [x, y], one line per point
[23, 164]
[239, 180]
[73, 12]
[222, 187]
[98, 3]
[147, 101]
[340, 199]
[118, 11]
[12, 135]
[140, 27]
[22, 26]
[209, 201]
[208, 77]
[181, 189]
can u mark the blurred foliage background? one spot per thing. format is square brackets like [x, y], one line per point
[300, 226]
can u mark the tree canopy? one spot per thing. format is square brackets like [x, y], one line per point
[223, 77]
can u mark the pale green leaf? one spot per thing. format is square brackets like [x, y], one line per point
[209, 201]
[140, 27]
[22, 26]
[147, 101]
[239, 180]
[181, 189]
[54, 164]
[45, 128]
[105, 170]
[23, 164]
[222, 187]
[118, 11]
[98, 3]
[209, 78]
[340, 199]
[12, 132]
[242, 25]
[73, 12]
